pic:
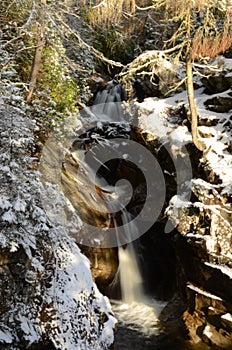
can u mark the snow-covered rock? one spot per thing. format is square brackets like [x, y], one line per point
[48, 296]
[203, 220]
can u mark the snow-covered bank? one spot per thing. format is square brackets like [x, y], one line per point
[48, 295]
[156, 121]
[164, 120]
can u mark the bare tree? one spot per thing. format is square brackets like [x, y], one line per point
[38, 51]
[189, 84]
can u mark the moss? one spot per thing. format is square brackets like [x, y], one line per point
[112, 44]
[54, 78]
[54, 85]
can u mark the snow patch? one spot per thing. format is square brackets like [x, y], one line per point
[203, 292]
[227, 317]
[207, 331]
[5, 336]
[8, 216]
[223, 268]
[154, 121]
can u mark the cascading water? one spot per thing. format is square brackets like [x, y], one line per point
[137, 313]
[130, 276]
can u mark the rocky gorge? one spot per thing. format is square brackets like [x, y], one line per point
[60, 278]
[191, 265]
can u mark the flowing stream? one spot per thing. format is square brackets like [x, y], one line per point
[137, 313]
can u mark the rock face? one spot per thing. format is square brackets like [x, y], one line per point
[104, 266]
[204, 260]
[204, 254]
[202, 238]
[208, 318]
[48, 298]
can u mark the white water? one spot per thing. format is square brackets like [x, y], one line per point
[140, 317]
[136, 311]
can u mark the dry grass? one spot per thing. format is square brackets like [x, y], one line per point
[211, 46]
[110, 12]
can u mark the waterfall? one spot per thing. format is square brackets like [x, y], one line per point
[107, 102]
[131, 281]
[130, 276]
[137, 313]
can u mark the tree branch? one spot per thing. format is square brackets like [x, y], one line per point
[94, 51]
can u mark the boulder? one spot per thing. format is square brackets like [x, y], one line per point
[217, 83]
[219, 104]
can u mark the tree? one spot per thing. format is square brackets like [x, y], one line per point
[38, 51]
[189, 84]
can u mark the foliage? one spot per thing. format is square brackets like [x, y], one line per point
[151, 65]
[213, 39]
[20, 30]
[110, 12]
[114, 45]
[55, 79]
[41, 265]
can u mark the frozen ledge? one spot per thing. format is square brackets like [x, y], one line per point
[224, 269]
[203, 292]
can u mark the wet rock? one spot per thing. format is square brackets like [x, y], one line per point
[104, 265]
[203, 251]
[228, 53]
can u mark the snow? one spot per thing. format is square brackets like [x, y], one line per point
[154, 121]
[223, 268]
[207, 331]
[211, 244]
[5, 336]
[180, 136]
[59, 301]
[4, 202]
[19, 205]
[8, 216]
[203, 292]
[227, 317]
[30, 328]
[14, 247]
[179, 201]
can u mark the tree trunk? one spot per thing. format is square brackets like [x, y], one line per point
[38, 51]
[190, 89]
